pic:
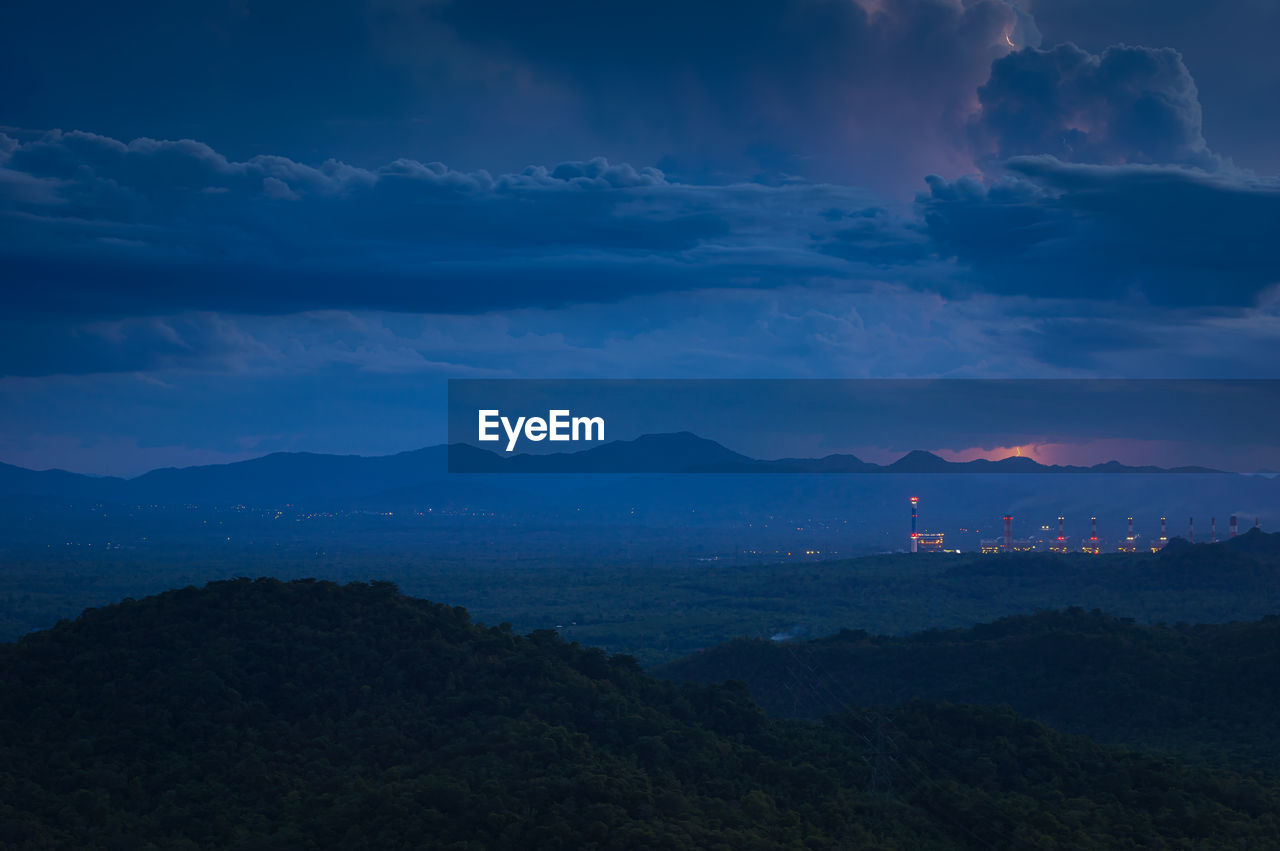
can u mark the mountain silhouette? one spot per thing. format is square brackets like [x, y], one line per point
[263, 714]
[306, 478]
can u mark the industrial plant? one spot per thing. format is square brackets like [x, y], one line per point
[1092, 544]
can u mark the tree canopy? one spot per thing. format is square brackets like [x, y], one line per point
[303, 715]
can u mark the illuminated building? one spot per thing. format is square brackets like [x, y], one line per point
[929, 542]
[1007, 545]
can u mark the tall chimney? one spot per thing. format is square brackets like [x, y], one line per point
[915, 502]
[1191, 530]
[1163, 536]
[1008, 533]
[1213, 530]
[1093, 529]
[1130, 528]
[1062, 535]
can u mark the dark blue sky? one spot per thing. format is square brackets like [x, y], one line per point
[228, 228]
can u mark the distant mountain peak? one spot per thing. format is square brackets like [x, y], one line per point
[920, 461]
[921, 454]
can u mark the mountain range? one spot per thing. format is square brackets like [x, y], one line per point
[685, 452]
[303, 477]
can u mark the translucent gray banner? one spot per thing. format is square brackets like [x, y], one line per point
[864, 426]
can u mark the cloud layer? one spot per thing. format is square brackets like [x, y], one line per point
[100, 226]
[875, 92]
[1155, 235]
[258, 248]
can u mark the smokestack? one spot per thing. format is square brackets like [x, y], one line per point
[1062, 536]
[1008, 533]
[1093, 528]
[1130, 528]
[1232, 534]
[1213, 530]
[915, 502]
[1191, 530]
[1163, 536]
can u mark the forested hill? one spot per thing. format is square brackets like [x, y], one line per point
[260, 714]
[1207, 689]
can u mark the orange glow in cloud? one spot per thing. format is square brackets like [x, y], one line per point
[1158, 453]
[1040, 453]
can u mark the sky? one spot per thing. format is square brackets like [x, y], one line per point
[231, 227]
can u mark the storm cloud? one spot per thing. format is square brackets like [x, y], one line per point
[875, 92]
[1125, 105]
[1161, 235]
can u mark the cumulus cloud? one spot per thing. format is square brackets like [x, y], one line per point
[1229, 47]
[1125, 105]
[1097, 183]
